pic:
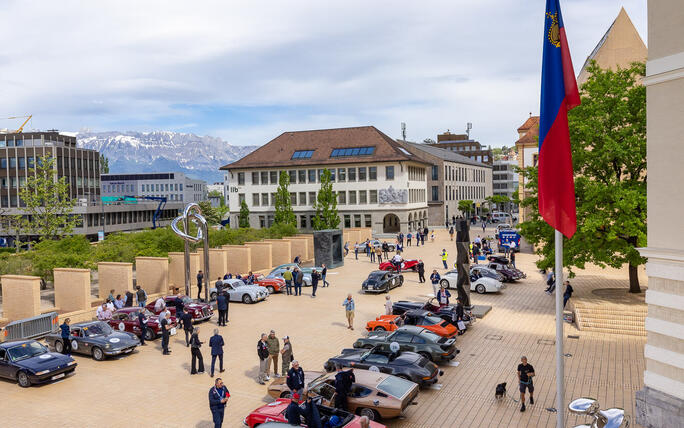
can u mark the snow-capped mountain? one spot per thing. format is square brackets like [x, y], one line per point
[159, 151]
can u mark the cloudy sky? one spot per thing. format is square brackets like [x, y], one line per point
[247, 71]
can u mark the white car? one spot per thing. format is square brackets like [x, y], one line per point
[238, 291]
[480, 285]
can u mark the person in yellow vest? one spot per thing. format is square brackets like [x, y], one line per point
[445, 256]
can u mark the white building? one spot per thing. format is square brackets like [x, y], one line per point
[379, 184]
[505, 180]
[175, 186]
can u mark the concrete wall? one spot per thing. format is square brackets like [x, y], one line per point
[281, 251]
[116, 276]
[218, 264]
[238, 258]
[177, 272]
[299, 246]
[72, 289]
[152, 274]
[20, 296]
[261, 255]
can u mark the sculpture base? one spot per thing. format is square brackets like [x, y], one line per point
[328, 248]
[479, 311]
[657, 409]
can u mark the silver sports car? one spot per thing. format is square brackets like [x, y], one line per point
[238, 291]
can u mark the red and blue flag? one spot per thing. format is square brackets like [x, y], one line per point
[559, 94]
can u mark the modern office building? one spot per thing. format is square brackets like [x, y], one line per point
[379, 184]
[505, 181]
[463, 145]
[451, 178]
[174, 186]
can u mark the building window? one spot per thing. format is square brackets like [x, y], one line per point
[435, 172]
[302, 221]
[373, 199]
[352, 197]
[255, 178]
[342, 197]
[355, 151]
[301, 175]
[351, 174]
[241, 179]
[273, 199]
[22, 163]
[332, 174]
[293, 199]
[372, 173]
[302, 154]
[302, 198]
[293, 176]
[435, 193]
[264, 177]
[241, 198]
[264, 199]
[341, 174]
[367, 220]
[273, 177]
[312, 198]
[347, 220]
[362, 173]
[13, 162]
[389, 172]
[357, 220]
[363, 197]
[312, 175]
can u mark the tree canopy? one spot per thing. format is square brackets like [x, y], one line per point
[243, 218]
[325, 205]
[283, 204]
[465, 206]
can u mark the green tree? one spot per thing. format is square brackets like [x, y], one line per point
[244, 215]
[283, 204]
[608, 135]
[465, 206]
[325, 205]
[104, 164]
[48, 205]
[209, 212]
[215, 194]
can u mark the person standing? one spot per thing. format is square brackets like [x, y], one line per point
[484, 225]
[314, 282]
[443, 296]
[421, 271]
[222, 306]
[287, 276]
[65, 333]
[378, 253]
[195, 345]
[568, 293]
[295, 378]
[141, 295]
[451, 233]
[371, 253]
[445, 257]
[218, 397]
[200, 279]
[356, 251]
[349, 310]
[512, 257]
[262, 353]
[409, 236]
[388, 305]
[385, 249]
[286, 355]
[128, 301]
[186, 320]
[273, 350]
[346, 248]
[343, 384]
[118, 302]
[142, 323]
[216, 344]
[396, 261]
[459, 316]
[434, 278]
[298, 279]
[297, 260]
[525, 375]
[324, 272]
[164, 324]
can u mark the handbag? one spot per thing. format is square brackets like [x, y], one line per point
[461, 325]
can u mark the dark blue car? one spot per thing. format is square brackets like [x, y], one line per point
[28, 362]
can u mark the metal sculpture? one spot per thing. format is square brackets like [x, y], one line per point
[609, 418]
[193, 213]
[463, 261]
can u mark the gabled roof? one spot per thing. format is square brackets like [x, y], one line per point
[529, 123]
[443, 154]
[278, 152]
[532, 134]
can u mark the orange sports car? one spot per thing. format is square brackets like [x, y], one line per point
[417, 317]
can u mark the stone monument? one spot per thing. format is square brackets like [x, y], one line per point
[328, 248]
[463, 261]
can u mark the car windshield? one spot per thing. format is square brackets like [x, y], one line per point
[26, 350]
[319, 379]
[430, 320]
[395, 386]
[97, 329]
[186, 300]
[432, 337]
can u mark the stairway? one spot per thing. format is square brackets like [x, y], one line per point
[611, 318]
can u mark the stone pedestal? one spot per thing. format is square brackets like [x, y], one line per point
[116, 276]
[72, 289]
[261, 255]
[299, 246]
[152, 274]
[281, 251]
[177, 271]
[328, 248]
[218, 265]
[238, 258]
[20, 296]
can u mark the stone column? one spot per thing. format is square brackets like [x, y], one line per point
[238, 258]
[152, 273]
[116, 276]
[299, 246]
[20, 296]
[463, 261]
[261, 255]
[177, 271]
[218, 265]
[72, 289]
[281, 251]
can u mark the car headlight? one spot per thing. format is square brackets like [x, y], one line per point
[71, 363]
[108, 346]
[42, 372]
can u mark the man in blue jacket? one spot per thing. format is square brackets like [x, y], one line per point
[222, 306]
[298, 279]
[216, 344]
[66, 340]
[295, 379]
[142, 323]
[443, 296]
[218, 397]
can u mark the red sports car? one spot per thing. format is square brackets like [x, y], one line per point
[275, 412]
[273, 285]
[199, 311]
[126, 319]
[405, 265]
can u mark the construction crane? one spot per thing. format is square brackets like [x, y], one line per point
[21, 128]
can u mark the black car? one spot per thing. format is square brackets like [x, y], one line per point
[415, 339]
[28, 362]
[380, 281]
[447, 313]
[95, 338]
[406, 365]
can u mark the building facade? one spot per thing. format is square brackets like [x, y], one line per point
[528, 154]
[661, 402]
[451, 178]
[463, 145]
[505, 181]
[379, 184]
[174, 186]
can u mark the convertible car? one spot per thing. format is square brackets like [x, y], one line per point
[447, 313]
[275, 412]
[376, 395]
[414, 339]
[95, 338]
[126, 319]
[28, 362]
[417, 317]
[481, 285]
[238, 291]
[199, 311]
[380, 281]
[405, 265]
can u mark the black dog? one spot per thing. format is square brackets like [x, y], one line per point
[500, 391]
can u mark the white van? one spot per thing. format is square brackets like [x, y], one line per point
[501, 217]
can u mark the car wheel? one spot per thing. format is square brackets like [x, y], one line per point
[329, 367]
[371, 414]
[98, 354]
[246, 299]
[213, 296]
[23, 379]
[379, 329]
[286, 394]
[59, 346]
[426, 355]
[480, 289]
[270, 289]
[150, 334]
[444, 283]
[401, 281]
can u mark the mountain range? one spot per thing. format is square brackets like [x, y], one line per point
[164, 151]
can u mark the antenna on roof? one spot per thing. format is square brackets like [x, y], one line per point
[403, 131]
[469, 126]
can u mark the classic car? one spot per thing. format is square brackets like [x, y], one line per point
[304, 269]
[417, 317]
[238, 291]
[373, 394]
[447, 312]
[275, 412]
[126, 319]
[273, 285]
[405, 265]
[480, 285]
[95, 338]
[199, 311]
[415, 339]
[480, 270]
[406, 365]
[28, 362]
[374, 244]
[506, 268]
[278, 274]
[380, 281]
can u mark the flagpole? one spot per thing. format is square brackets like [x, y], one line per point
[560, 366]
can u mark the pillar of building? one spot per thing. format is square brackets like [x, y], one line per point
[115, 276]
[20, 296]
[72, 289]
[281, 251]
[261, 255]
[152, 273]
[238, 258]
[177, 271]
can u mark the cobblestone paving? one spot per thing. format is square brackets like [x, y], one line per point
[151, 390]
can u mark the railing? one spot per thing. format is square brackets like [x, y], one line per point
[30, 328]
